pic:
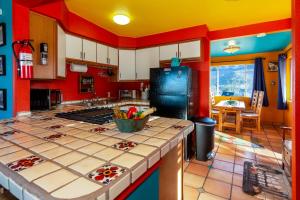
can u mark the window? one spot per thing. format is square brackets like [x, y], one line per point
[236, 80]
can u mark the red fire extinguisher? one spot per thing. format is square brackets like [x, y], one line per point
[23, 50]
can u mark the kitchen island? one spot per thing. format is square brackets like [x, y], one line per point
[45, 157]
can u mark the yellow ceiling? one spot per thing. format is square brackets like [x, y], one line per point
[156, 16]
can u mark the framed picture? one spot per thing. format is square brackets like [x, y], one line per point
[273, 66]
[2, 65]
[2, 99]
[2, 34]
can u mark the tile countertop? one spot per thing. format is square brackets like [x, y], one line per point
[58, 156]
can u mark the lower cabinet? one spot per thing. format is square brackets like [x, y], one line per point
[148, 190]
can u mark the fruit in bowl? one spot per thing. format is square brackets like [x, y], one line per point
[132, 120]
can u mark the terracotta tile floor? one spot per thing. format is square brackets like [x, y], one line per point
[221, 177]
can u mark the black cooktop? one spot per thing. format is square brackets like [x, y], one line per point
[92, 115]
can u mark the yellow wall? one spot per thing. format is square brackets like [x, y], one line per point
[288, 112]
[270, 114]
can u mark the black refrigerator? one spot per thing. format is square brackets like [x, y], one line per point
[175, 94]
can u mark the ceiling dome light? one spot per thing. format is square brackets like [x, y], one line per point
[231, 47]
[261, 35]
[121, 19]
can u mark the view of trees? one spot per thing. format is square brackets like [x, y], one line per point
[236, 79]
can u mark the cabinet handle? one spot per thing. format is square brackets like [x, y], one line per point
[84, 55]
[107, 61]
[120, 75]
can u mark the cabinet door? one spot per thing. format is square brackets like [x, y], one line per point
[61, 52]
[102, 54]
[73, 47]
[167, 52]
[146, 59]
[43, 30]
[190, 49]
[126, 64]
[113, 55]
[89, 49]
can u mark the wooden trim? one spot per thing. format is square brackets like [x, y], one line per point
[184, 60]
[171, 174]
[89, 63]
[230, 61]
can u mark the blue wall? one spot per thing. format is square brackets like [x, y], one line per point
[252, 44]
[6, 81]
[148, 190]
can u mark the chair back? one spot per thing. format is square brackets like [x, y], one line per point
[260, 102]
[212, 98]
[254, 100]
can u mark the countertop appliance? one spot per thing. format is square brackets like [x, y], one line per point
[174, 92]
[44, 99]
[127, 94]
[92, 115]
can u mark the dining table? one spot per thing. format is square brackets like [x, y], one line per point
[232, 106]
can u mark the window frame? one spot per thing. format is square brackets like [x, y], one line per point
[245, 71]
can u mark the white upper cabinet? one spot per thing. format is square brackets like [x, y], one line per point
[113, 56]
[89, 49]
[190, 49]
[167, 52]
[127, 64]
[73, 47]
[102, 54]
[61, 52]
[145, 59]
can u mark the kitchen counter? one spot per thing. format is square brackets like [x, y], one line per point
[44, 157]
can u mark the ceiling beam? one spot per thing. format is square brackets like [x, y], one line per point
[265, 27]
[34, 3]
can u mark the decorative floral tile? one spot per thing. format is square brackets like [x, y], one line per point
[9, 133]
[98, 130]
[54, 136]
[10, 122]
[25, 163]
[147, 126]
[106, 174]
[55, 127]
[178, 127]
[47, 119]
[125, 145]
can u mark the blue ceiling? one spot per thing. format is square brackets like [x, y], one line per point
[252, 44]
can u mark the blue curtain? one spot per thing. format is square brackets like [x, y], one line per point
[281, 100]
[259, 79]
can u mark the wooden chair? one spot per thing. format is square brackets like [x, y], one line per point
[227, 118]
[253, 102]
[287, 152]
[214, 113]
[255, 116]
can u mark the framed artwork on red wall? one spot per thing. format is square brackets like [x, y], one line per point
[3, 99]
[2, 65]
[2, 34]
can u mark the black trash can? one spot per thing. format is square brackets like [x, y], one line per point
[205, 130]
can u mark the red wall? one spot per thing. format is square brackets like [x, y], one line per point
[70, 86]
[20, 31]
[77, 25]
[296, 98]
